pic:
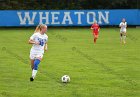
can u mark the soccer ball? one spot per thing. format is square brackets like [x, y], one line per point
[65, 79]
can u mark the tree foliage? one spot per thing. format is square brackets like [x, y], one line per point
[68, 4]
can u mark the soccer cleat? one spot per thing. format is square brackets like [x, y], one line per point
[31, 79]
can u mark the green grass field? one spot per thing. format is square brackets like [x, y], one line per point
[107, 69]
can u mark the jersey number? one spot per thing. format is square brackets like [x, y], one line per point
[41, 42]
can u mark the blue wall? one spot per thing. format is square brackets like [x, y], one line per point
[67, 17]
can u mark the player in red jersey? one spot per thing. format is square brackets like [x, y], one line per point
[95, 27]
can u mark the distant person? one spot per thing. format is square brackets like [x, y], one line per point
[123, 26]
[95, 27]
[39, 40]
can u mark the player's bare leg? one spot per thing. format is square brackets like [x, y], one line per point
[35, 67]
[32, 64]
[121, 38]
[124, 38]
[95, 38]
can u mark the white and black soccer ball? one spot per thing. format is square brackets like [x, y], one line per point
[65, 79]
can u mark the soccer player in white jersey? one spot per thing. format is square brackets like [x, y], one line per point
[39, 41]
[123, 26]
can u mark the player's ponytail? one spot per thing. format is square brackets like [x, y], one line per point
[38, 29]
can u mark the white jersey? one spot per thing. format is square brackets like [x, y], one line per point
[37, 37]
[123, 26]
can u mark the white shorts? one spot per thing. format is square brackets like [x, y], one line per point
[123, 31]
[34, 56]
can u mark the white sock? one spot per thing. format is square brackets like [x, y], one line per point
[34, 72]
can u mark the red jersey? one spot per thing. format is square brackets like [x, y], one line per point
[95, 28]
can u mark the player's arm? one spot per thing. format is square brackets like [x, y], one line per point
[98, 29]
[120, 25]
[33, 42]
[46, 47]
[126, 24]
[91, 27]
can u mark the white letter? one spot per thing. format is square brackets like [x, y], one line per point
[45, 17]
[79, 16]
[26, 17]
[93, 17]
[54, 17]
[67, 18]
[105, 18]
